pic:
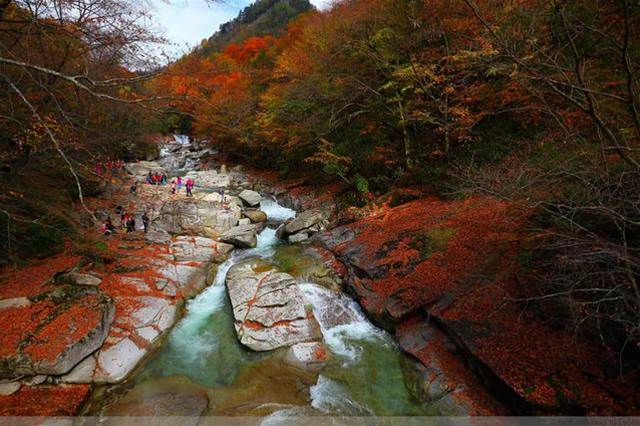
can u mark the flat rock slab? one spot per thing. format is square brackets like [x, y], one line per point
[132, 337]
[251, 198]
[269, 309]
[52, 335]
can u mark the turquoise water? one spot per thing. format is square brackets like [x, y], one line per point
[202, 356]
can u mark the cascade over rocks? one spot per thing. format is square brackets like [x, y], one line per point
[269, 308]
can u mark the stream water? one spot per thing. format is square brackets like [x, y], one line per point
[201, 356]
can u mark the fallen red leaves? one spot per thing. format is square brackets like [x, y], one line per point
[45, 401]
[457, 260]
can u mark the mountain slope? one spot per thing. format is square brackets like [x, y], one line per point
[260, 18]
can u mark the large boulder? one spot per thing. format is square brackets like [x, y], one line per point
[194, 216]
[307, 220]
[256, 216]
[269, 309]
[251, 198]
[142, 168]
[64, 327]
[198, 249]
[244, 236]
[209, 179]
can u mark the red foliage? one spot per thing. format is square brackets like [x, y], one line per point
[469, 283]
[17, 323]
[65, 329]
[45, 401]
[32, 280]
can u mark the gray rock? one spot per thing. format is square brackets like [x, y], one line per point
[142, 168]
[244, 236]
[75, 278]
[269, 308]
[251, 198]
[16, 302]
[244, 221]
[298, 238]
[303, 221]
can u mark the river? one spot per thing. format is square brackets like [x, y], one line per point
[201, 365]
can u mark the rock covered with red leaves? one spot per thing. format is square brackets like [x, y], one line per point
[455, 263]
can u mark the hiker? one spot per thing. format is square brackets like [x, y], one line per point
[118, 209]
[145, 222]
[222, 197]
[179, 183]
[131, 224]
[107, 227]
[150, 178]
[173, 187]
[134, 188]
[189, 186]
[164, 179]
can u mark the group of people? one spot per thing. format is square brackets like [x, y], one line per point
[176, 185]
[157, 178]
[127, 222]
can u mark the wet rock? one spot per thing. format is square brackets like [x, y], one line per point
[256, 216]
[76, 278]
[66, 326]
[303, 221]
[269, 308]
[310, 356]
[251, 198]
[244, 236]
[298, 238]
[165, 397]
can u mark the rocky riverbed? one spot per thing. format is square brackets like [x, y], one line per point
[234, 304]
[104, 324]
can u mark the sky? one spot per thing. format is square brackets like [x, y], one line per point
[185, 23]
